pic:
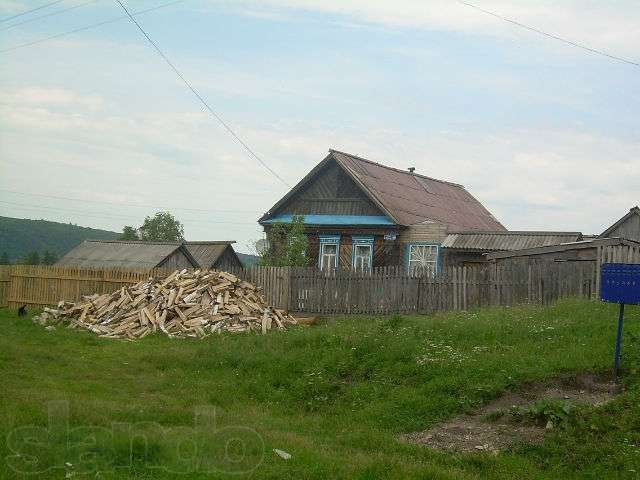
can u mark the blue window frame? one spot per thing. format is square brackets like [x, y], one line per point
[362, 252]
[422, 257]
[329, 251]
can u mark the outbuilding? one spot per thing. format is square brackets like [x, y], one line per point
[129, 254]
[217, 255]
[582, 251]
[464, 248]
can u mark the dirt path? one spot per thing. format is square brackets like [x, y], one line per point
[491, 428]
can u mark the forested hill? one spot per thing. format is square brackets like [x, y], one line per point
[20, 236]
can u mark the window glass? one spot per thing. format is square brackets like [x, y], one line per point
[362, 256]
[329, 256]
[423, 257]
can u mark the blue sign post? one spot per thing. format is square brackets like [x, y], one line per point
[620, 283]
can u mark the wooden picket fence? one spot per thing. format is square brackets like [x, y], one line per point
[392, 290]
[5, 281]
[381, 291]
[39, 286]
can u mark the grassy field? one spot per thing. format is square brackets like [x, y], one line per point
[335, 396]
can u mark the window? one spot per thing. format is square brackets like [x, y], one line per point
[329, 252]
[422, 258]
[362, 252]
[329, 256]
[362, 256]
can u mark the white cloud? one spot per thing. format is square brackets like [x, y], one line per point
[608, 25]
[56, 97]
[530, 179]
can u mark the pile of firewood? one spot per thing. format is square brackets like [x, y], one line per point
[184, 304]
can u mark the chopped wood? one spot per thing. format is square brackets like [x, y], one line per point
[183, 304]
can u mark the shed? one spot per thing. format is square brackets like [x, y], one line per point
[219, 255]
[584, 250]
[461, 248]
[627, 227]
[128, 254]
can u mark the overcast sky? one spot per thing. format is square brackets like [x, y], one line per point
[547, 136]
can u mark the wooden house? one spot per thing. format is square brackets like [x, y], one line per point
[362, 214]
[129, 254]
[216, 255]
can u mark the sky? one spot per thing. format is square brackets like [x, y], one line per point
[96, 130]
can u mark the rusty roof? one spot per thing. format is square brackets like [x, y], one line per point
[208, 253]
[506, 241]
[408, 198]
[119, 254]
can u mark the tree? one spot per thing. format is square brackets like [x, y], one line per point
[162, 227]
[49, 258]
[287, 245]
[4, 259]
[31, 258]
[129, 233]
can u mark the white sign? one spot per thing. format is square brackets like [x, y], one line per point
[389, 237]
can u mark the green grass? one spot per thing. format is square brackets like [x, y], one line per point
[335, 396]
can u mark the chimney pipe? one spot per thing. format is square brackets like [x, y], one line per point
[411, 169]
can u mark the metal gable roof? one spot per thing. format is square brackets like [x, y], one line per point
[114, 253]
[407, 198]
[411, 198]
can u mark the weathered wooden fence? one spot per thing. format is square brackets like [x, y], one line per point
[38, 286]
[392, 290]
[381, 291]
[5, 280]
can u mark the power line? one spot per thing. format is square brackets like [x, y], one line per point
[550, 35]
[88, 27]
[50, 4]
[202, 100]
[46, 15]
[137, 205]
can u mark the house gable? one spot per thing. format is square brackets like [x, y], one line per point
[327, 191]
[627, 227]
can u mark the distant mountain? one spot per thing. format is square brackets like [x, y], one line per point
[247, 259]
[20, 236]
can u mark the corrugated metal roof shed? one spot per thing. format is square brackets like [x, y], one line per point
[506, 241]
[99, 253]
[207, 253]
[580, 244]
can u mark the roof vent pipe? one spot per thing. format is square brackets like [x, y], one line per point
[411, 169]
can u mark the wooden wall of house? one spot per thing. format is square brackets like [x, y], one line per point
[385, 252]
[630, 229]
[228, 260]
[431, 232]
[331, 192]
[177, 260]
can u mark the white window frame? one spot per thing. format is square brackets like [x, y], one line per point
[325, 241]
[431, 265]
[362, 241]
